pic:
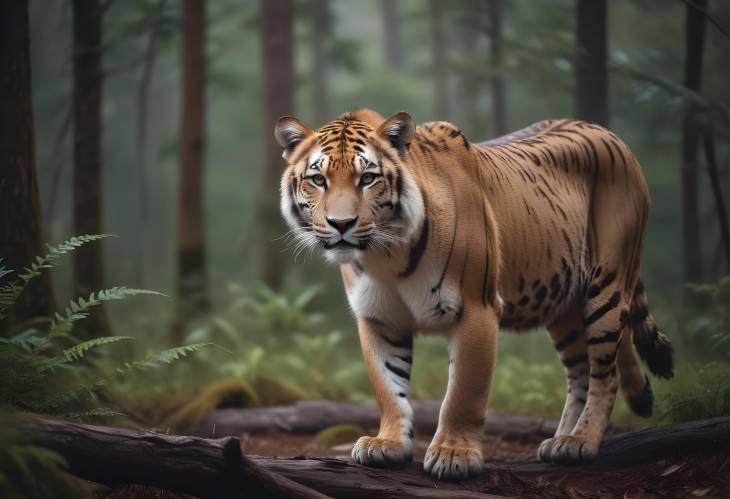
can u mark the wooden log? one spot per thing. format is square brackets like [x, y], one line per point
[314, 415]
[189, 465]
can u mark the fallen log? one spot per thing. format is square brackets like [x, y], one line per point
[216, 468]
[312, 416]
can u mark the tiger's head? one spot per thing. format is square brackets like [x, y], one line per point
[346, 187]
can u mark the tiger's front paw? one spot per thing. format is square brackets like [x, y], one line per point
[382, 452]
[568, 449]
[453, 458]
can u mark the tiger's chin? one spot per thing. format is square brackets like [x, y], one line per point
[340, 255]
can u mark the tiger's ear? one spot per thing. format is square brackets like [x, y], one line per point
[398, 131]
[289, 133]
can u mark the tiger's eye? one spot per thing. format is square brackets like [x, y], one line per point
[318, 180]
[367, 178]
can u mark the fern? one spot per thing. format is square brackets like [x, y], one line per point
[9, 292]
[79, 309]
[77, 351]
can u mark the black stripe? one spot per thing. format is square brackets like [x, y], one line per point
[607, 360]
[406, 342]
[405, 358]
[605, 375]
[604, 309]
[397, 371]
[574, 361]
[596, 289]
[609, 337]
[570, 338]
[417, 251]
[639, 314]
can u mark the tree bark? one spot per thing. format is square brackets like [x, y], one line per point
[20, 225]
[694, 47]
[192, 299]
[591, 77]
[714, 177]
[499, 92]
[143, 214]
[216, 468]
[320, 33]
[391, 36]
[439, 55]
[278, 61]
[312, 416]
[87, 172]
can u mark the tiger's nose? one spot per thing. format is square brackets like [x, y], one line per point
[342, 224]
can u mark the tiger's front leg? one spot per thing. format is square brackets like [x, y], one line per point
[456, 450]
[388, 357]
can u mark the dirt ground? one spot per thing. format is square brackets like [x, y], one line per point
[705, 476]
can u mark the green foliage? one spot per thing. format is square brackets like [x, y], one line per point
[710, 324]
[697, 394]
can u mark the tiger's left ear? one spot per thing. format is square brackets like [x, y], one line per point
[398, 131]
[289, 133]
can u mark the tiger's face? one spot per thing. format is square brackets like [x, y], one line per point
[346, 188]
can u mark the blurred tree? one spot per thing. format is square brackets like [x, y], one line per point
[320, 33]
[591, 79]
[20, 226]
[278, 81]
[439, 56]
[143, 90]
[191, 276]
[499, 94]
[694, 46]
[392, 38]
[87, 171]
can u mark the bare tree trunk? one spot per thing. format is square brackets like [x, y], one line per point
[191, 283]
[20, 213]
[694, 46]
[440, 71]
[499, 92]
[391, 27]
[320, 34]
[278, 60]
[591, 78]
[717, 193]
[145, 236]
[87, 172]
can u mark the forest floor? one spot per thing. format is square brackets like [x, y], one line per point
[700, 475]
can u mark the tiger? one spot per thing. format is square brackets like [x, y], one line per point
[436, 234]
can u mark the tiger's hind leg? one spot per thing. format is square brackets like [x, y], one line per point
[568, 337]
[605, 317]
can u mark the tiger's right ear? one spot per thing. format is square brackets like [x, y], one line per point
[289, 133]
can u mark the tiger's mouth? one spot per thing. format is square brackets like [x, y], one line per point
[345, 245]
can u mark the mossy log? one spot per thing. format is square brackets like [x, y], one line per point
[312, 416]
[216, 468]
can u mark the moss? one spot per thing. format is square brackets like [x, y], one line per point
[338, 434]
[275, 392]
[228, 393]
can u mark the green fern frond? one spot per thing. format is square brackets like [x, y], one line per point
[79, 309]
[76, 352]
[94, 413]
[165, 356]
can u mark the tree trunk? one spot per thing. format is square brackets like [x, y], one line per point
[143, 214]
[694, 46]
[591, 79]
[320, 34]
[20, 222]
[392, 39]
[714, 177]
[191, 279]
[499, 92]
[87, 172]
[440, 70]
[278, 61]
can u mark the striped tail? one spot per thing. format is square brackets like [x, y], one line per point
[653, 346]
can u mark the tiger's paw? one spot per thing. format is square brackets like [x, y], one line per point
[382, 452]
[568, 449]
[453, 458]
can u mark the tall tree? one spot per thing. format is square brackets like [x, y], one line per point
[391, 26]
[694, 47]
[278, 61]
[87, 183]
[499, 93]
[191, 284]
[20, 214]
[439, 56]
[320, 69]
[591, 45]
